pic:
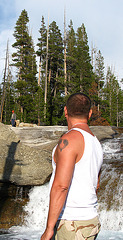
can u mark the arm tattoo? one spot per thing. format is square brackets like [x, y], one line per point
[62, 144]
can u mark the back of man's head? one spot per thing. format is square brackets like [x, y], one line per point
[78, 105]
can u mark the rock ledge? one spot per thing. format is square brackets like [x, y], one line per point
[26, 152]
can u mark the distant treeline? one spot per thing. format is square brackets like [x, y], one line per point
[39, 93]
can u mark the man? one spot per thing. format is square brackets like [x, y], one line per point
[13, 119]
[76, 161]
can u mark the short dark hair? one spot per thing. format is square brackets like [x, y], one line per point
[78, 105]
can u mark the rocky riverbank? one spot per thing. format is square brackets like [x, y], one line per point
[26, 152]
[25, 161]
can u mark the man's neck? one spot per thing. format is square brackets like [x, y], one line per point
[76, 123]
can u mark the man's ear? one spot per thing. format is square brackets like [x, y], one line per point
[65, 111]
[90, 113]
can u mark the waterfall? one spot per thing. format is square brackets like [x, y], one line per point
[37, 207]
[111, 191]
[110, 206]
[110, 197]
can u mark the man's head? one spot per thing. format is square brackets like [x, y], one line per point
[12, 111]
[78, 105]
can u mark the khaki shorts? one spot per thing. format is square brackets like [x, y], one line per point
[77, 230]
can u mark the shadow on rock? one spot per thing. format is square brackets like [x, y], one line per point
[9, 165]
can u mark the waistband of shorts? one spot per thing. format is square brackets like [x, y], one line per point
[78, 213]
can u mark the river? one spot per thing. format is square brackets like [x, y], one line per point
[110, 198]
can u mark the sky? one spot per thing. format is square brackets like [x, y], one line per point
[103, 21]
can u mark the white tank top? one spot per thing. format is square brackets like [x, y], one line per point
[81, 200]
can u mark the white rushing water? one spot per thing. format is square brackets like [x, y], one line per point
[112, 148]
[37, 207]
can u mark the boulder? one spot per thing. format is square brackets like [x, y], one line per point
[102, 132]
[22, 124]
[17, 123]
[25, 157]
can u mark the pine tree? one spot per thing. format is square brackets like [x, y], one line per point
[41, 52]
[71, 60]
[113, 97]
[83, 61]
[55, 70]
[65, 60]
[99, 74]
[10, 102]
[120, 107]
[24, 59]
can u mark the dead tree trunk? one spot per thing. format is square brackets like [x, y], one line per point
[4, 87]
[110, 98]
[65, 67]
[39, 83]
[98, 95]
[45, 91]
[49, 75]
[39, 75]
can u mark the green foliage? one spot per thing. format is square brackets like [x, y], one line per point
[55, 70]
[9, 103]
[42, 40]
[55, 50]
[83, 61]
[58, 109]
[71, 58]
[99, 68]
[25, 61]
[113, 96]
[39, 105]
[26, 94]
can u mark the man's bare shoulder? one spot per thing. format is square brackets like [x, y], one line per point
[70, 140]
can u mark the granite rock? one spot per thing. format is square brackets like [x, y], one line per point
[25, 157]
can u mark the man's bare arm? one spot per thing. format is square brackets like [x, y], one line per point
[98, 184]
[65, 158]
[62, 144]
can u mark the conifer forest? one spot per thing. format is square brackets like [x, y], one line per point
[38, 91]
